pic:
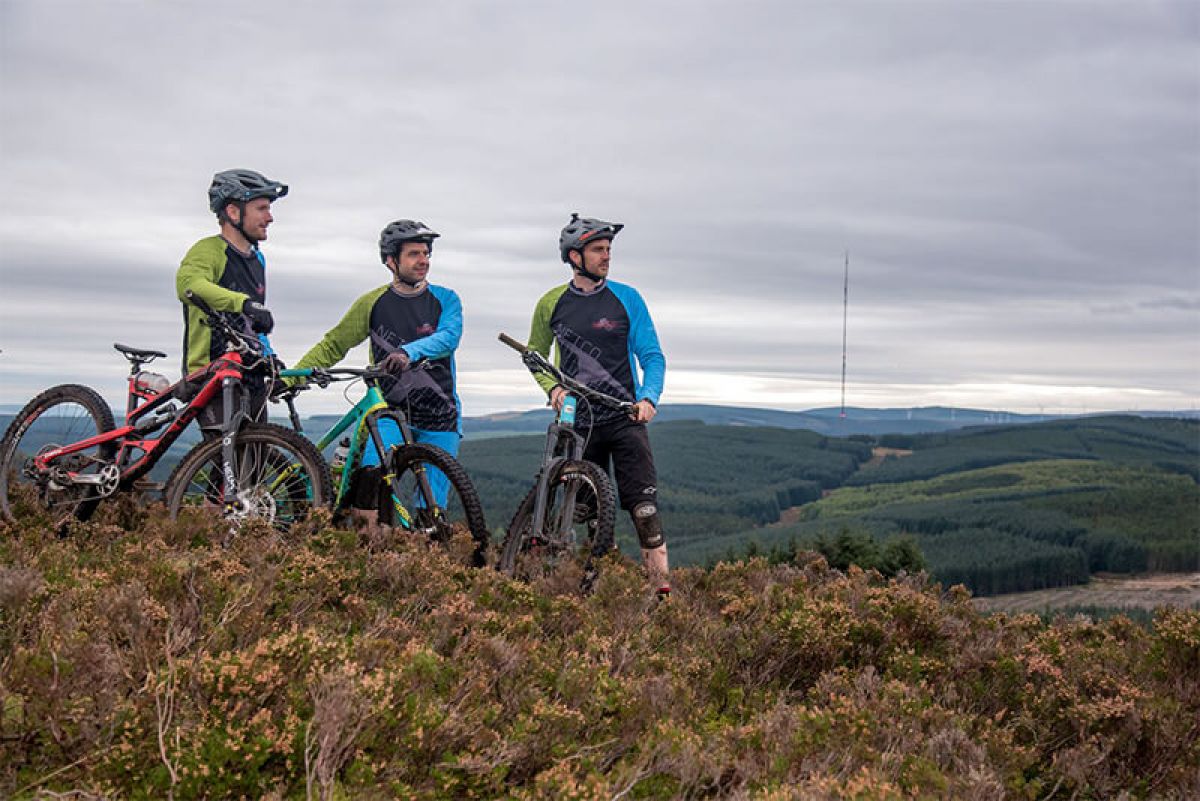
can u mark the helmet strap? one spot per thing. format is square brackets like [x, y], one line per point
[588, 275]
[237, 226]
[581, 270]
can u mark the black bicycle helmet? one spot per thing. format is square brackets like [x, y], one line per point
[581, 230]
[397, 233]
[240, 186]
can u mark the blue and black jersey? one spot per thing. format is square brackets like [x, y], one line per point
[426, 325]
[602, 338]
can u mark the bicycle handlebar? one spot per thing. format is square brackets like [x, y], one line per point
[537, 363]
[248, 344]
[324, 376]
[512, 343]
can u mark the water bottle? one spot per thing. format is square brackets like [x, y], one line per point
[566, 415]
[338, 463]
[150, 383]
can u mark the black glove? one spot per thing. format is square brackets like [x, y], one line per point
[395, 362]
[259, 315]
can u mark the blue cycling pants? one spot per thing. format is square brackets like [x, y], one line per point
[448, 441]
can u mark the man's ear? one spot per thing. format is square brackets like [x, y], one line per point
[230, 208]
[576, 258]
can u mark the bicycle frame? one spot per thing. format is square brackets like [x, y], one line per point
[142, 415]
[223, 375]
[364, 416]
[563, 443]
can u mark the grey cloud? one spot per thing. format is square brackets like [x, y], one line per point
[1018, 184]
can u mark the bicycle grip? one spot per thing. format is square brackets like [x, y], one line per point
[512, 343]
[296, 372]
[199, 303]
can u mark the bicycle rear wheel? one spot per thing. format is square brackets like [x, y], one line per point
[455, 509]
[531, 552]
[281, 476]
[73, 485]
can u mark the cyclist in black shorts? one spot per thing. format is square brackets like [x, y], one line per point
[603, 336]
[228, 272]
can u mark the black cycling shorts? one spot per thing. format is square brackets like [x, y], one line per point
[623, 447]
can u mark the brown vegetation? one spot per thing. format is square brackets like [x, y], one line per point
[144, 658]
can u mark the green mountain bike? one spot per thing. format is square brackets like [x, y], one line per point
[419, 488]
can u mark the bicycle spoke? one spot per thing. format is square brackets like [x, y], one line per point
[71, 485]
[281, 478]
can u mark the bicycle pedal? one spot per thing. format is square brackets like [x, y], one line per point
[146, 485]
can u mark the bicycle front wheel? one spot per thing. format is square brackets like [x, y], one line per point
[281, 477]
[72, 486]
[430, 493]
[576, 528]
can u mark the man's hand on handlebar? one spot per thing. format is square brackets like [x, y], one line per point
[395, 362]
[643, 411]
[259, 315]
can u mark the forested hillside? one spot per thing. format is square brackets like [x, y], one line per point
[1000, 509]
[1172, 445]
[713, 479]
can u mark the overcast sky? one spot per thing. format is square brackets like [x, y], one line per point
[1017, 185]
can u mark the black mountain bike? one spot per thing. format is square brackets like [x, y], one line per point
[568, 516]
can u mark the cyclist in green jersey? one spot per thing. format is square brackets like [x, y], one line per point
[603, 336]
[228, 272]
[406, 320]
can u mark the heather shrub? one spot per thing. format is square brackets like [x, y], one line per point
[148, 658]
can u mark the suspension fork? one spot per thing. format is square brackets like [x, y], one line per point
[235, 417]
[562, 443]
[424, 488]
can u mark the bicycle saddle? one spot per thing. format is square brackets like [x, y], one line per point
[138, 353]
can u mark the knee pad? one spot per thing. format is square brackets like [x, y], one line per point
[648, 525]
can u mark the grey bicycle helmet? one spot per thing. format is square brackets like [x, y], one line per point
[397, 233]
[240, 186]
[581, 230]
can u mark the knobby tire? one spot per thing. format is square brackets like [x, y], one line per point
[462, 511]
[284, 475]
[32, 429]
[526, 557]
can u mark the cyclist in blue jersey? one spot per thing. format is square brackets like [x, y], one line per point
[603, 337]
[406, 320]
[228, 272]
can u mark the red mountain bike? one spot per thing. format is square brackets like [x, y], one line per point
[63, 454]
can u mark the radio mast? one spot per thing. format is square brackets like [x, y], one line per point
[845, 306]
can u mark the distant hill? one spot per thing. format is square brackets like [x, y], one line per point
[1011, 508]
[828, 421]
[1001, 508]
